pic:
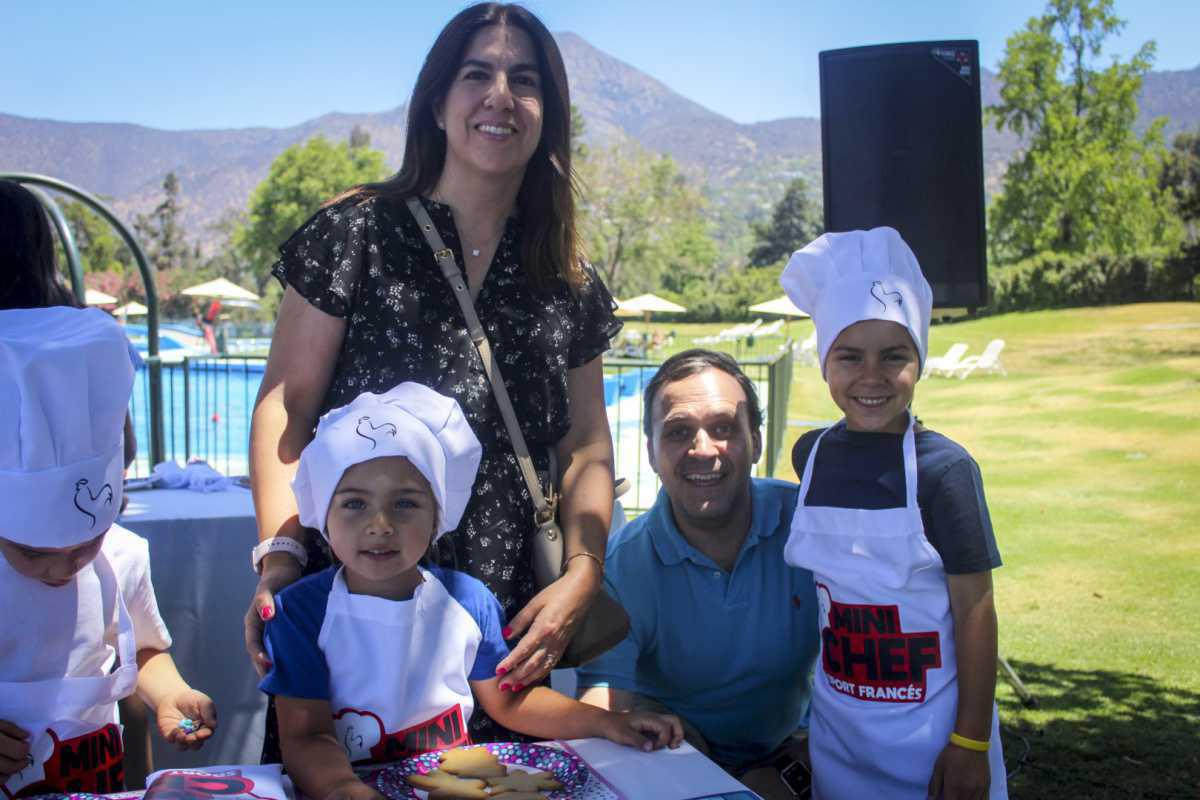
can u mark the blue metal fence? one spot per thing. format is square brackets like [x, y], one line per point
[208, 400]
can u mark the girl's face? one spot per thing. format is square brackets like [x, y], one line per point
[52, 566]
[381, 520]
[492, 113]
[872, 371]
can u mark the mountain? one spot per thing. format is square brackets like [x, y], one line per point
[744, 166]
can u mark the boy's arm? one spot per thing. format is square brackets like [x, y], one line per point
[162, 688]
[311, 753]
[959, 772]
[546, 714]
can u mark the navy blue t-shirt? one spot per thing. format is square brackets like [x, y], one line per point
[866, 470]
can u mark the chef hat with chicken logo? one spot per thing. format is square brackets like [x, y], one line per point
[65, 381]
[843, 278]
[409, 420]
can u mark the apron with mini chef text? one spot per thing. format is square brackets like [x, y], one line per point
[398, 671]
[885, 693]
[75, 743]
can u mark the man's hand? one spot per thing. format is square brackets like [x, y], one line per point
[960, 774]
[14, 749]
[190, 704]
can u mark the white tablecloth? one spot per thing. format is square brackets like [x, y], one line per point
[200, 562]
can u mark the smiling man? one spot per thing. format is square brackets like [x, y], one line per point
[723, 632]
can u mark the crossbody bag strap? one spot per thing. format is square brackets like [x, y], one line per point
[444, 257]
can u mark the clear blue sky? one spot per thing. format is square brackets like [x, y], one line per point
[225, 64]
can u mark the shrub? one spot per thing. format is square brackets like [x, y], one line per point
[1056, 280]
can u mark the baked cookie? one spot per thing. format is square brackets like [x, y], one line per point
[518, 781]
[444, 786]
[472, 762]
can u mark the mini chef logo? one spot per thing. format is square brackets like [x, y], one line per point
[362, 735]
[365, 428]
[88, 503]
[866, 654]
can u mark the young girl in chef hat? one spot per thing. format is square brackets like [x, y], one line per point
[893, 523]
[383, 657]
[81, 626]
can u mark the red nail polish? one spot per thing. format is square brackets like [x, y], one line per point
[506, 632]
[504, 687]
[501, 671]
[266, 612]
[518, 687]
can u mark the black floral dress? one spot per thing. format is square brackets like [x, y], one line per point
[367, 261]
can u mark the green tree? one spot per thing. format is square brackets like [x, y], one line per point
[795, 222]
[1181, 178]
[300, 179]
[161, 232]
[1085, 181]
[100, 248]
[359, 137]
[579, 150]
[643, 222]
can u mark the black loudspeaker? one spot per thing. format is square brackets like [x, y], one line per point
[902, 145]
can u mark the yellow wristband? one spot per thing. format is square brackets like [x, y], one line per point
[969, 744]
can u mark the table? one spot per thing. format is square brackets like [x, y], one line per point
[200, 563]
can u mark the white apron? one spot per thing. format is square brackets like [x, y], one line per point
[885, 692]
[75, 743]
[398, 671]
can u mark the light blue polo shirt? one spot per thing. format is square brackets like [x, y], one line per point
[732, 652]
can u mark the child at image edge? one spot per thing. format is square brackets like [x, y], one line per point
[893, 523]
[81, 628]
[378, 659]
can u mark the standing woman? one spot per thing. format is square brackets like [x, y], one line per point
[366, 307]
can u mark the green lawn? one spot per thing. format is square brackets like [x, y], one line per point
[1090, 451]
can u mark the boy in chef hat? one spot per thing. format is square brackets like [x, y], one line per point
[82, 626]
[383, 657]
[893, 523]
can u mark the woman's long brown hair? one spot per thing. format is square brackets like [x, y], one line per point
[550, 247]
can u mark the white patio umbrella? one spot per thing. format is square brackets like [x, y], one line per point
[781, 306]
[94, 297]
[647, 304]
[131, 309]
[220, 289]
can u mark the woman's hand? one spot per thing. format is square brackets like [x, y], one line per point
[643, 729]
[960, 774]
[279, 570]
[546, 624]
[187, 704]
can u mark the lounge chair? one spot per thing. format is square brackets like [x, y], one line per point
[987, 361]
[946, 364]
[806, 353]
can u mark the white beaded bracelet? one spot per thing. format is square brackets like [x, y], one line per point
[277, 544]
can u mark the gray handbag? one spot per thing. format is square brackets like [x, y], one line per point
[605, 623]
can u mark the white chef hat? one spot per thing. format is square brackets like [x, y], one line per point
[843, 278]
[65, 381]
[409, 420]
